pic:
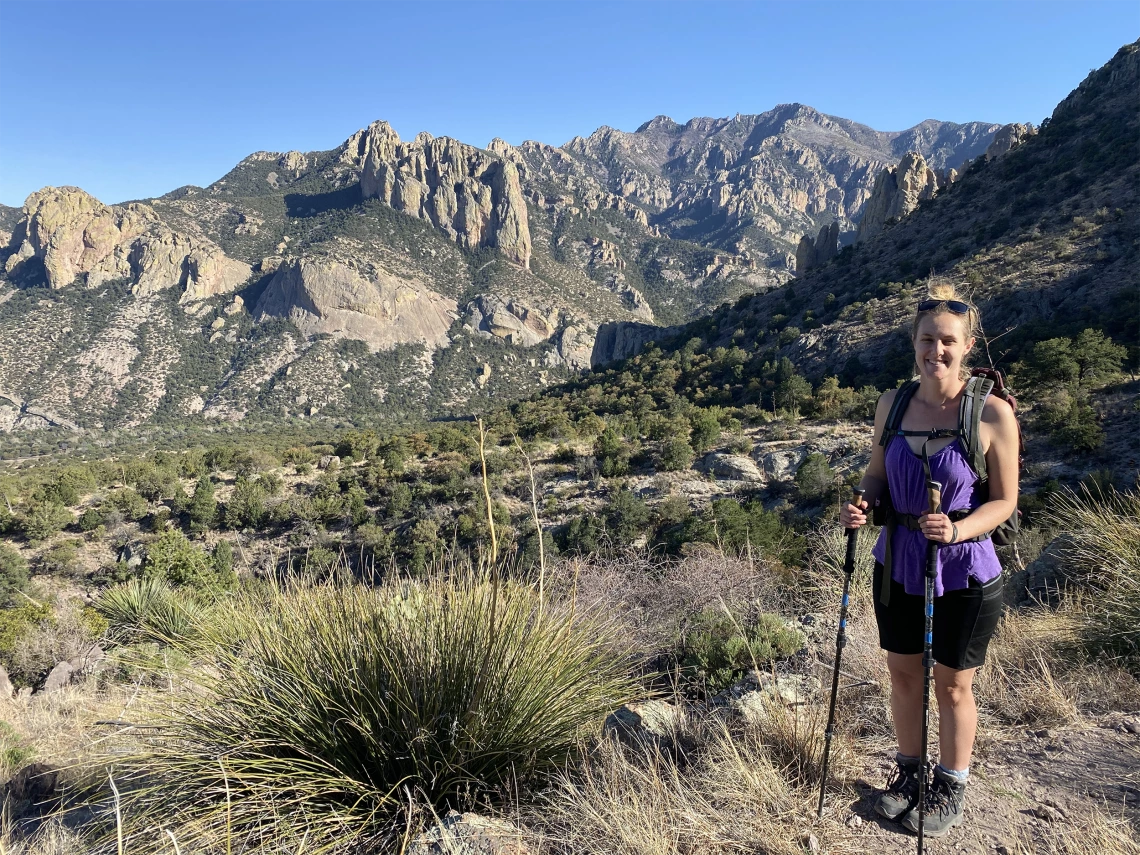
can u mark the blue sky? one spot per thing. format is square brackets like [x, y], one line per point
[130, 100]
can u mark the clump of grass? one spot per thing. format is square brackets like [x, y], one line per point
[743, 790]
[1018, 682]
[1101, 549]
[336, 706]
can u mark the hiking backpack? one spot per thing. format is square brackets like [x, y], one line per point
[982, 382]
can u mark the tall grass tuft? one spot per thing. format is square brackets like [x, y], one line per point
[1101, 548]
[338, 707]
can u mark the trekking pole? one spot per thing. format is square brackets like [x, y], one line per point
[934, 494]
[840, 643]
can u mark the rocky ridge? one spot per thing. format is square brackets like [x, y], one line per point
[71, 234]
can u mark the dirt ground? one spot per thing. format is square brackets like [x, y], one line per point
[1023, 785]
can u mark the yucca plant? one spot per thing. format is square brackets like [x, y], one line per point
[338, 706]
[149, 609]
[1101, 548]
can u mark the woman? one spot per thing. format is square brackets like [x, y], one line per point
[968, 588]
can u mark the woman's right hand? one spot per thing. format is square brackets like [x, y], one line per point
[852, 515]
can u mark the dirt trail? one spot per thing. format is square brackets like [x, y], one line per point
[1023, 784]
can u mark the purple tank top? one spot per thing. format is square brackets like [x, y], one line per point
[957, 562]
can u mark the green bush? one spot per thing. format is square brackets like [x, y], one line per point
[814, 478]
[717, 649]
[13, 573]
[45, 519]
[339, 700]
[676, 454]
[174, 559]
[202, 507]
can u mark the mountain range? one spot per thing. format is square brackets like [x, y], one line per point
[391, 280]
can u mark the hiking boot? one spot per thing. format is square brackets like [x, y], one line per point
[945, 806]
[901, 794]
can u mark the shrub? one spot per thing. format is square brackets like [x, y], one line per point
[60, 557]
[202, 507]
[339, 700]
[676, 454]
[717, 649]
[174, 559]
[45, 519]
[13, 573]
[814, 477]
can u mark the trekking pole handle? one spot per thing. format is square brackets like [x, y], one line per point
[856, 499]
[934, 496]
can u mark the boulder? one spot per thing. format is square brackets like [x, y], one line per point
[470, 834]
[367, 304]
[36, 782]
[74, 234]
[328, 461]
[60, 677]
[733, 467]
[510, 320]
[89, 661]
[782, 465]
[1009, 137]
[652, 723]
[7, 690]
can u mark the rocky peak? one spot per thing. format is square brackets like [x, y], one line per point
[379, 135]
[815, 253]
[74, 234]
[1009, 137]
[897, 192]
[472, 196]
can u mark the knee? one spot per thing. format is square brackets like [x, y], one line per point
[953, 695]
[906, 681]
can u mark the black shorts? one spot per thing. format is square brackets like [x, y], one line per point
[964, 621]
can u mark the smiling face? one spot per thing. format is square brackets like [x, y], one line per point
[940, 345]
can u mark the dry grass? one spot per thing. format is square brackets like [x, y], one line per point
[744, 788]
[1093, 832]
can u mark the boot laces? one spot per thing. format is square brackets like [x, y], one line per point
[903, 779]
[942, 797]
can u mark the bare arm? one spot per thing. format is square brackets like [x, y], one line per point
[874, 480]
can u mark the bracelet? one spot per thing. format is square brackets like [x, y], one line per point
[955, 536]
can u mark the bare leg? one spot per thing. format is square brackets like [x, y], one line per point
[906, 700]
[958, 715]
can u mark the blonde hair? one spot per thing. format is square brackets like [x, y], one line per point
[942, 290]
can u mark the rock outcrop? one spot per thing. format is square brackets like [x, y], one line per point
[815, 253]
[1009, 137]
[472, 196]
[372, 306]
[510, 320]
[897, 192]
[73, 234]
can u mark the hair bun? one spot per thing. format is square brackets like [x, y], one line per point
[942, 291]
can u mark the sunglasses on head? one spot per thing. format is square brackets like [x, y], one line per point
[955, 306]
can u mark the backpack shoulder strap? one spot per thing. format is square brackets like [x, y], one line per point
[898, 408]
[969, 421]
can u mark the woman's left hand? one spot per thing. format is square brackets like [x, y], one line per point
[936, 527]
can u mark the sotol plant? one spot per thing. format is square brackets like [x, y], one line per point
[340, 706]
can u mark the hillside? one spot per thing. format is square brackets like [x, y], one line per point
[1046, 238]
[388, 280]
